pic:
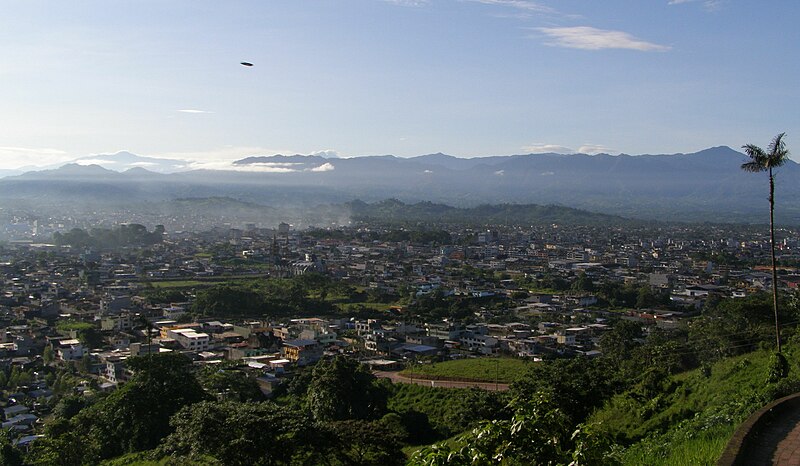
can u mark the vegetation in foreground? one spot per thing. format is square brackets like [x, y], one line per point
[636, 405]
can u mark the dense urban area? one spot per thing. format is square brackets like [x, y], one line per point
[370, 343]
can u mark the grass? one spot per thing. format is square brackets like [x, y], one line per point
[181, 284]
[356, 306]
[702, 449]
[692, 417]
[168, 284]
[449, 411]
[504, 370]
[144, 459]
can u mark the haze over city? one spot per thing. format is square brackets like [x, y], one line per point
[368, 77]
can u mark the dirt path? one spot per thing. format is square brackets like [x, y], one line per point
[395, 377]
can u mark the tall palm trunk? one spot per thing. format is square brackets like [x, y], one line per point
[772, 251]
[761, 161]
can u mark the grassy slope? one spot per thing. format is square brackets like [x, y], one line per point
[143, 459]
[691, 421]
[506, 370]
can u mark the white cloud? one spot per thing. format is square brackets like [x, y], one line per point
[193, 110]
[94, 162]
[525, 5]
[428, 171]
[589, 38]
[16, 157]
[500, 172]
[228, 153]
[537, 148]
[710, 5]
[407, 2]
[274, 164]
[327, 153]
[142, 164]
[227, 165]
[547, 173]
[593, 149]
[223, 158]
[325, 167]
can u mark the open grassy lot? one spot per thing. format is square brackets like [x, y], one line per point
[504, 370]
[180, 284]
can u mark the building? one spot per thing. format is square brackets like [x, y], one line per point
[190, 339]
[302, 352]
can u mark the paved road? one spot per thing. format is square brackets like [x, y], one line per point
[395, 377]
[779, 443]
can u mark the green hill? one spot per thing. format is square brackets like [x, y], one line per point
[689, 418]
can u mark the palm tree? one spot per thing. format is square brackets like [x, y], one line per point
[761, 161]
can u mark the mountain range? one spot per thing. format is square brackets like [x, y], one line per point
[708, 185]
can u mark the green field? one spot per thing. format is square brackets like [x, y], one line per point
[180, 284]
[504, 370]
[203, 283]
[356, 306]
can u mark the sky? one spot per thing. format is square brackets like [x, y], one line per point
[403, 77]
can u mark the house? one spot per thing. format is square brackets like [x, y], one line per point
[15, 410]
[412, 351]
[69, 350]
[483, 344]
[20, 420]
[302, 352]
[190, 339]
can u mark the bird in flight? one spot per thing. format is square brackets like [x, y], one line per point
[245, 63]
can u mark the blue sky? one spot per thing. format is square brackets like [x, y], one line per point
[404, 77]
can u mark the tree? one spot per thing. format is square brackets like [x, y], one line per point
[230, 384]
[9, 455]
[365, 443]
[243, 434]
[760, 161]
[342, 388]
[539, 433]
[618, 343]
[583, 283]
[575, 386]
[47, 354]
[133, 418]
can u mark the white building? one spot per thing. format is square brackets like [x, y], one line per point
[190, 339]
[69, 350]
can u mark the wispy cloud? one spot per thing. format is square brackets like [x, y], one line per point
[538, 148]
[95, 162]
[276, 164]
[710, 5]
[525, 5]
[589, 38]
[253, 167]
[593, 149]
[326, 153]
[325, 167]
[227, 153]
[407, 2]
[193, 110]
[500, 172]
[16, 157]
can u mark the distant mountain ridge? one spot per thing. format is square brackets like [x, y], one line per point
[703, 186]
